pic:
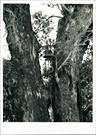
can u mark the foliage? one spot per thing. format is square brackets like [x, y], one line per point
[86, 81]
[42, 27]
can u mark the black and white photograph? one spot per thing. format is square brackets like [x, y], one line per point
[47, 62]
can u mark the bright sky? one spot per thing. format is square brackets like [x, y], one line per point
[48, 11]
[34, 7]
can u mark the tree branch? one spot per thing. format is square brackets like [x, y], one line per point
[58, 6]
[67, 9]
[46, 21]
[65, 61]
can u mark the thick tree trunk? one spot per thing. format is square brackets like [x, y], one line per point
[71, 29]
[25, 94]
[25, 97]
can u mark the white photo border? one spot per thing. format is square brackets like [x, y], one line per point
[12, 128]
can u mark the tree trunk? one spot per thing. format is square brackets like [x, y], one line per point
[25, 98]
[71, 29]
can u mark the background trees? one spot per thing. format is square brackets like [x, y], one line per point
[25, 96]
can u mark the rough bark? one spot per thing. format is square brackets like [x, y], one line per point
[25, 95]
[71, 29]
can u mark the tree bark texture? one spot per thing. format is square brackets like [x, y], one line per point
[26, 97]
[71, 30]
